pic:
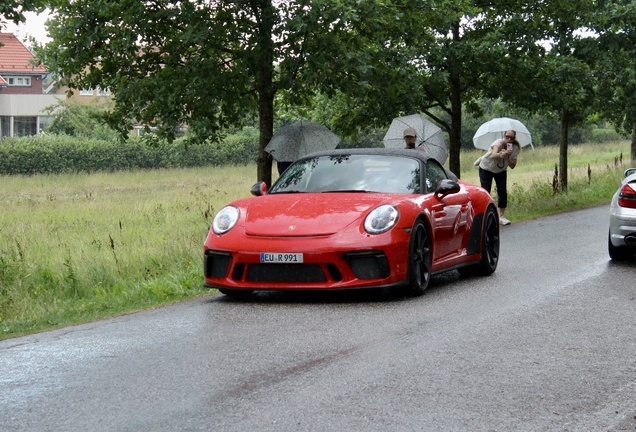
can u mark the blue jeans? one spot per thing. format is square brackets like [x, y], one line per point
[501, 180]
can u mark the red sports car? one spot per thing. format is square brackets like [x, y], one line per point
[353, 218]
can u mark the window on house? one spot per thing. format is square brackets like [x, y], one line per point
[19, 81]
[25, 126]
[86, 92]
[5, 126]
[103, 92]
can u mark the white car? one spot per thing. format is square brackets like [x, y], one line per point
[621, 240]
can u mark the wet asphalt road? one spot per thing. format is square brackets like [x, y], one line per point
[548, 343]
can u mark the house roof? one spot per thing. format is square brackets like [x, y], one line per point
[15, 57]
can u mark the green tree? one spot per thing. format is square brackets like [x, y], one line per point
[436, 59]
[201, 63]
[614, 54]
[554, 78]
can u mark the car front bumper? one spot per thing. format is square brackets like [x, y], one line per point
[327, 263]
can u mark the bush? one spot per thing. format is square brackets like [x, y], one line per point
[55, 154]
[81, 120]
[604, 136]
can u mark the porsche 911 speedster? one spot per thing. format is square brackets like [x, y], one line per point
[622, 230]
[354, 218]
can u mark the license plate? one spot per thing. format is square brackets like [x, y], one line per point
[275, 257]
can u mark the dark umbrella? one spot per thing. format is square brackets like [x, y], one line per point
[299, 139]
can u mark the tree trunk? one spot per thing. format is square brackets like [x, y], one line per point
[265, 89]
[563, 150]
[455, 135]
[455, 144]
[266, 131]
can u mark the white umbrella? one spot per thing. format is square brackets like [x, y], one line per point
[299, 139]
[430, 137]
[495, 129]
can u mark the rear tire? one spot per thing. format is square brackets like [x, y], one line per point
[420, 259]
[618, 253]
[490, 241]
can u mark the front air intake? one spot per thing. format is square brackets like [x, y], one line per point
[216, 264]
[369, 264]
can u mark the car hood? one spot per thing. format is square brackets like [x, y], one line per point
[308, 214]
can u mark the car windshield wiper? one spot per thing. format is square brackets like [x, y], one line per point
[346, 191]
[288, 192]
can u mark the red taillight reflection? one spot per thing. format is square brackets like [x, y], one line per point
[627, 197]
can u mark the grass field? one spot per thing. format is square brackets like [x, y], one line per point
[75, 248]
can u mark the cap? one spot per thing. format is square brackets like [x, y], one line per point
[410, 132]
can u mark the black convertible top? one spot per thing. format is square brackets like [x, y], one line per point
[416, 153]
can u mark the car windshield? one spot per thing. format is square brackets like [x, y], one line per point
[351, 173]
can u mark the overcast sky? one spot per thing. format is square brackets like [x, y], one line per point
[34, 26]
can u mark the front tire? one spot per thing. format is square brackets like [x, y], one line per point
[420, 259]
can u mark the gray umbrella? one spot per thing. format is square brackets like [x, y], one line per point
[430, 137]
[299, 139]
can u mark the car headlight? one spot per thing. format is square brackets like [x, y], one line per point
[381, 219]
[225, 220]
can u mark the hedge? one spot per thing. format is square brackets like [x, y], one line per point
[54, 154]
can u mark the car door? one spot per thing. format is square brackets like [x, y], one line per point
[450, 215]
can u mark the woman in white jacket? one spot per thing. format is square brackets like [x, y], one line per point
[503, 153]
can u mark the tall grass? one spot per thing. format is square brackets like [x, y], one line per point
[75, 248]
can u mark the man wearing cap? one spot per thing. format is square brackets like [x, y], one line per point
[409, 137]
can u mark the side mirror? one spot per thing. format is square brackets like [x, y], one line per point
[446, 187]
[629, 171]
[258, 189]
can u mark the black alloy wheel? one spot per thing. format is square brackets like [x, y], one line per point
[420, 259]
[490, 243]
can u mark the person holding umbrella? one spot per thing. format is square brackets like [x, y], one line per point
[409, 137]
[282, 166]
[503, 153]
[298, 139]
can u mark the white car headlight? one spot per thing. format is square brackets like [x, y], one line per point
[225, 220]
[381, 219]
